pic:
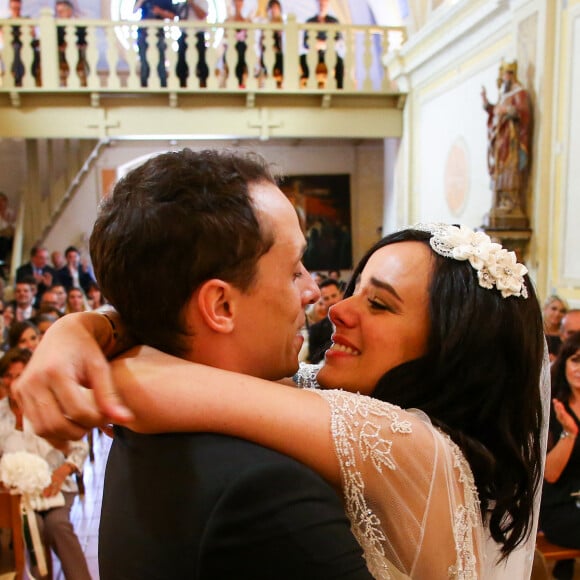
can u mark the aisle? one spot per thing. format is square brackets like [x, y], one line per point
[86, 510]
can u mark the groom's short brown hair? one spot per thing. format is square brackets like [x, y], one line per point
[176, 221]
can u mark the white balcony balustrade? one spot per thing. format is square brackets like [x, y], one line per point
[80, 55]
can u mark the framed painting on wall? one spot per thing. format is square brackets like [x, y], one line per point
[322, 203]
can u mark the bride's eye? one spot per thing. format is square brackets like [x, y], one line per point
[378, 305]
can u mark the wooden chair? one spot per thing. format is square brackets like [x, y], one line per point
[552, 551]
[10, 518]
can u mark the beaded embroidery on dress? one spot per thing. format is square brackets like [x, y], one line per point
[396, 467]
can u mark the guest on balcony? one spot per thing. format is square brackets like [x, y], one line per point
[17, 67]
[275, 16]
[241, 68]
[64, 9]
[191, 10]
[321, 45]
[153, 10]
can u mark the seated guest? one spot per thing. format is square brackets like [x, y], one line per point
[95, 297]
[559, 515]
[336, 275]
[57, 260]
[16, 434]
[49, 300]
[45, 319]
[39, 269]
[319, 334]
[24, 334]
[76, 301]
[318, 277]
[73, 274]
[554, 310]
[316, 312]
[570, 324]
[57, 295]
[24, 296]
[7, 319]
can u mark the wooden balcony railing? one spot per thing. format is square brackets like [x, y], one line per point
[81, 55]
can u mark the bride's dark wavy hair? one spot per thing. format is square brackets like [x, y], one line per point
[479, 381]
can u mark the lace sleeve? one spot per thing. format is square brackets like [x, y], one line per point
[408, 491]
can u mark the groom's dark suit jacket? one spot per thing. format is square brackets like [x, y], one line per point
[212, 507]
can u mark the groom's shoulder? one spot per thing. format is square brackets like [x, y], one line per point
[236, 509]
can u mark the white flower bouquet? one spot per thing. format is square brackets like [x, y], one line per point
[29, 475]
[24, 472]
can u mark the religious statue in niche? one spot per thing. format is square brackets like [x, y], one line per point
[509, 129]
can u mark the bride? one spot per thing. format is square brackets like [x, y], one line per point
[434, 439]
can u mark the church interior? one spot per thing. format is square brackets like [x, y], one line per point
[406, 125]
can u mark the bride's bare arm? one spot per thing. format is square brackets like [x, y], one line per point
[169, 394]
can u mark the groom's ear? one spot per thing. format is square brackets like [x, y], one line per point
[215, 304]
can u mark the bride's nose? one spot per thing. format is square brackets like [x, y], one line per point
[342, 313]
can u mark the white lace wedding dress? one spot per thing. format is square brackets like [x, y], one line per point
[410, 495]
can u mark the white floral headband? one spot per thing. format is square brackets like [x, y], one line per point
[495, 266]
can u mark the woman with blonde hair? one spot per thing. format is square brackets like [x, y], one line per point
[76, 301]
[554, 310]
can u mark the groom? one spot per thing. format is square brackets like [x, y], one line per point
[200, 254]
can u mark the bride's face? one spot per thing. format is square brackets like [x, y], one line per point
[385, 323]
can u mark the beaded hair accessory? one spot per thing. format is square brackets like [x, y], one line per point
[495, 266]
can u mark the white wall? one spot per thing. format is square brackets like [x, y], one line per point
[76, 220]
[454, 118]
[571, 234]
[13, 156]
